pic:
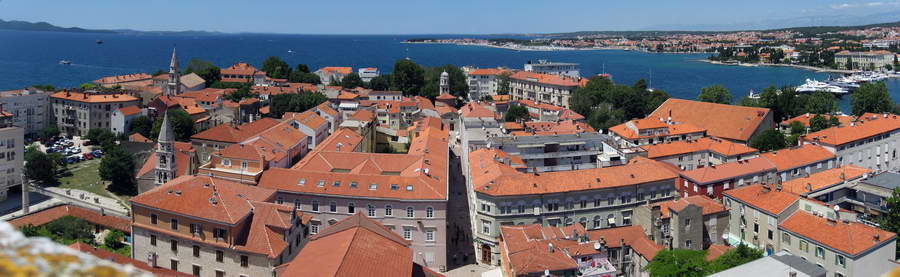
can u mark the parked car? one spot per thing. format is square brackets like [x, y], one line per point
[88, 156]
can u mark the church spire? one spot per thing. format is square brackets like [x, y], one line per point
[165, 153]
[174, 86]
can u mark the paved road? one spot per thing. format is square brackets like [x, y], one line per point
[461, 252]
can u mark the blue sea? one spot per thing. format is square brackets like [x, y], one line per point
[28, 58]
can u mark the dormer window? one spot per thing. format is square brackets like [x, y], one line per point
[373, 186]
[395, 187]
[337, 183]
[321, 183]
[409, 187]
[301, 182]
[353, 184]
[226, 162]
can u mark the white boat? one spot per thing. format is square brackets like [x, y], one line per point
[812, 86]
[753, 95]
[65, 62]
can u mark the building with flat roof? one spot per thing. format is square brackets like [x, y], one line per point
[78, 112]
[652, 131]
[555, 68]
[544, 88]
[870, 60]
[484, 82]
[775, 265]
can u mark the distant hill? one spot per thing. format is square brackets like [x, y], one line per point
[43, 26]
[806, 31]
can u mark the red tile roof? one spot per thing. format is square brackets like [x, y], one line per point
[308, 118]
[488, 71]
[549, 79]
[673, 130]
[111, 80]
[719, 146]
[770, 201]
[130, 110]
[708, 205]
[45, 216]
[720, 120]
[204, 197]
[355, 246]
[241, 69]
[476, 109]
[798, 156]
[137, 137]
[183, 159]
[268, 225]
[716, 250]
[337, 69]
[727, 171]
[867, 126]
[498, 179]
[93, 98]
[633, 236]
[119, 259]
[852, 238]
[805, 118]
[824, 179]
[445, 96]
[227, 133]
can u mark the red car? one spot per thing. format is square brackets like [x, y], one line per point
[88, 156]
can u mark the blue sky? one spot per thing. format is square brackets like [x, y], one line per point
[431, 16]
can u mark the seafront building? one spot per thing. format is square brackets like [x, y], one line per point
[332, 74]
[12, 156]
[543, 87]
[30, 108]
[556, 68]
[78, 112]
[368, 73]
[870, 60]
[870, 141]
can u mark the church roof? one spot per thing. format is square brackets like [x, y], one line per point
[165, 131]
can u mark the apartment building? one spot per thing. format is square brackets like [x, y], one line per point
[714, 179]
[122, 118]
[405, 192]
[315, 127]
[650, 131]
[773, 265]
[556, 68]
[870, 141]
[331, 74]
[870, 60]
[534, 250]
[693, 222]
[368, 73]
[756, 211]
[30, 108]
[553, 153]
[702, 152]
[211, 227]
[799, 161]
[12, 156]
[484, 82]
[242, 73]
[544, 88]
[332, 116]
[736, 123]
[595, 198]
[78, 112]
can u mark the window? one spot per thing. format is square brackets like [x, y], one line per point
[196, 270]
[174, 224]
[243, 165]
[688, 244]
[174, 246]
[756, 228]
[220, 273]
[174, 264]
[840, 261]
[351, 208]
[153, 240]
[220, 256]
[804, 246]
[336, 184]
[410, 212]
[297, 204]
[219, 233]
[196, 251]
[226, 162]
[373, 186]
[315, 205]
[429, 212]
[153, 218]
[521, 208]
[279, 200]
[820, 252]
[407, 234]
[771, 235]
[245, 261]
[332, 207]
[388, 210]
[354, 184]
[196, 229]
[429, 235]
[371, 210]
[485, 227]
[314, 228]
[321, 183]
[786, 239]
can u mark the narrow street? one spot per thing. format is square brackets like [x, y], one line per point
[459, 238]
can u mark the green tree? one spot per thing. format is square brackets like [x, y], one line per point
[818, 123]
[206, 70]
[820, 102]
[283, 103]
[503, 83]
[68, 229]
[516, 113]
[40, 166]
[352, 80]
[458, 84]
[604, 116]
[48, 132]
[142, 125]
[88, 86]
[584, 99]
[382, 82]
[678, 263]
[100, 136]
[797, 128]
[45, 87]
[117, 166]
[302, 68]
[834, 121]
[746, 101]
[408, 77]
[304, 77]
[768, 140]
[657, 97]
[871, 98]
[734, 257]
[181, 123]
[113, 239]
[276, 68]
[234, 85]
[715, 94]
[890, 220]
[240, 93]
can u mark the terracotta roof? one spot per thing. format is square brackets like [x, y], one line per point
[354, 246]
[337, 69]
[346, 95]
[867, 126]
[240, 151]
[227, 133]
[498, 98]
[824, 179]
[137, 137]
[798, 156]
[268, 224]
[445, 96]
[421, 173]
[45, 216]
[720, 146]
[498, 179]
[708, 205]
[632, 235]
[273, 90]
[308, 118]
[547, 128]
[852, 238]
[119, 259]
[183, 158]
[327, 109]
[487, 71]
[207, 94]
[204, 197]
[442, 110]
[93, 98]
[111, 80]
[674, 129]
[130, 110]
[241, 69]
[549, 79]
[726, 171]
[476, 109]
[770, 201]
[720, 120]
[805, 118]
[716, 250]
[527, 249]
[363, 116]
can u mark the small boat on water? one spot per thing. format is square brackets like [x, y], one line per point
[99, 41]
[65, 62]
[813, 86]
[753, 95]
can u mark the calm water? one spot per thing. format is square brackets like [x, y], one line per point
[28, 58]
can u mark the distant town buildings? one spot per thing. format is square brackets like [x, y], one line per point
[871, 60]
[484, 82]
[332, 74]
[368, 73]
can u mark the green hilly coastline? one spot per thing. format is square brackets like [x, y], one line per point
[44, 26]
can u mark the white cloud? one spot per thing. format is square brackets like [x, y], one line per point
[866, 4]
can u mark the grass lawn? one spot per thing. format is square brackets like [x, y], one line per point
[85, 176]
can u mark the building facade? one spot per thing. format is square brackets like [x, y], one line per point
[871, 60]
[543, 88]
[78, 112]
[871, 142]
[547, 67]
[30, 108]
[484, 82]
[12, 156]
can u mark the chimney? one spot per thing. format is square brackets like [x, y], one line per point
[550, 247]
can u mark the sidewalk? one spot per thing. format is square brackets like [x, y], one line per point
[89, 198]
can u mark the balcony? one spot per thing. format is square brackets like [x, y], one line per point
[596, 267]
